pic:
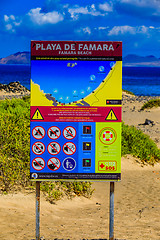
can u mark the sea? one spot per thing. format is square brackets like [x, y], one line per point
[142, 81]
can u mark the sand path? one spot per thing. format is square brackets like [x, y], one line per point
[137, 207]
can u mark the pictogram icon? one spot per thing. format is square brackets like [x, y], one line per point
[69, 164]
[69, 132]
[86, 129]
[38, 132]
[111, 116]
[53, 164]
[86, 146]
[107, 136]
[38, 148]
[54, 148]
[69, 148]
[86, 162]
[106, 166]
[38, 164]
[54, 132]
[37, 115]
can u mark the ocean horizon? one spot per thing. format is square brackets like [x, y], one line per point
[142, 81]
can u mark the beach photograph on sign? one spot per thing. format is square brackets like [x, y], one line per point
[61, 114]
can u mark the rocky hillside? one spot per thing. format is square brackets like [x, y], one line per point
[13, 87]
[17, 58]
[133, 60]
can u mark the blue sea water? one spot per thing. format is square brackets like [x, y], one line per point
[142, 81]
[13, 73]
[139, 80]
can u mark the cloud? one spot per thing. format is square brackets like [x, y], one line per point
[123, 30]
[88, 20]
[40, 18]
[9, 27]
[8, 18]
[106, 7]
[76, 11]
[86, 30]
[10, 22]
[120, 30]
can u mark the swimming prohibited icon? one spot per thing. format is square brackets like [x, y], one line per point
[54, 148]
[38, 148]
[38, 132]
[107, 136]
[69, 148]
[38, 163]
[69, 132]
[69, 164]
[53, 164]
[54, 132]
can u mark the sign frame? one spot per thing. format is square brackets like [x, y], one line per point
[93, 111]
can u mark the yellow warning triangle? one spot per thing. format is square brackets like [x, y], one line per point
[111, 116]
[37, 115]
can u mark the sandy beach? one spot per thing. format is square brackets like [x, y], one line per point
[137, 199]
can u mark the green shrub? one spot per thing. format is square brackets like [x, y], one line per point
[151, 103]
[129, 92]
[14, 142]
[15, 147]
[14, 153]
[138, 144]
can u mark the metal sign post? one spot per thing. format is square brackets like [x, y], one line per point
[37, 210]
[111, 212]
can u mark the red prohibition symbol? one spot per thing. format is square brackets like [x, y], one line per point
[54, 148]
[38, 148]
[38, 132]
[69, 148]
[69, 132]
[54, 132]
[53, 164]
[38, 164]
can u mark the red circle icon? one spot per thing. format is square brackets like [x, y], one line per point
[54, 148]
[69, 148]
[54, 164]
[38, 164]
[69, 132]
[38, 148]
[38, 132]
[54, 132]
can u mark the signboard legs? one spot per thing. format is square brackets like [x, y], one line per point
[37, 210]
[111, 212]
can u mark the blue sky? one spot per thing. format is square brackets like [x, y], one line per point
[135, 22]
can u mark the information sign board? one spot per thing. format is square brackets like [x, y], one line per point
[76, 100]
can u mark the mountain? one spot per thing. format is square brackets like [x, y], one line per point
[133, 60]
[130, 60]
[17, 58]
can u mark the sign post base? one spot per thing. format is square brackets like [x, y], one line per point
[37, 210]
[111, 212]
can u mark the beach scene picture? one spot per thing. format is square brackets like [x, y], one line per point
[80, 210]
[70, 81]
